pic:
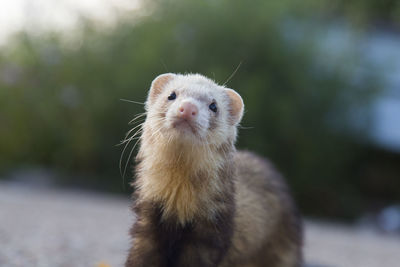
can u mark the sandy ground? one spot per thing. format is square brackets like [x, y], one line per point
[43, 227]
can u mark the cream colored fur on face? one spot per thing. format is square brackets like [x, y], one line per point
[182, 173]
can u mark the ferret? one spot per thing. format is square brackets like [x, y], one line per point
[198, 201]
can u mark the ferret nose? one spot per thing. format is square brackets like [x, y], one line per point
[187, 110]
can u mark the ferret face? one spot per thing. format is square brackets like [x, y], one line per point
[191, 109]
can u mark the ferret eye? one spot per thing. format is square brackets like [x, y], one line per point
[172, 96]
[213, 107]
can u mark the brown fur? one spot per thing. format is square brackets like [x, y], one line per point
[206, 204]
[267, 226]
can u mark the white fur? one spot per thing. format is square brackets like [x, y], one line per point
[200, 91]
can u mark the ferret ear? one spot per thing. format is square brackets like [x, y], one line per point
[236, 106]
[158, 85]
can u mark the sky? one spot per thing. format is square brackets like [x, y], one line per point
[37, 15]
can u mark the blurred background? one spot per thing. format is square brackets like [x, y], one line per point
[320, 80]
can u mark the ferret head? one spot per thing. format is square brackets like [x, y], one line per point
[191, 109]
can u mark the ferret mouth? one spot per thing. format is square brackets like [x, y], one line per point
[185, 125]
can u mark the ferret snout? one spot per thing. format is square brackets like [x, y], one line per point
[188, 111]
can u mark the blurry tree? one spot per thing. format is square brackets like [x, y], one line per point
[59, 95]
[369, 12]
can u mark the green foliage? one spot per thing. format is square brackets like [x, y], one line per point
[369, 12]
[59, 95]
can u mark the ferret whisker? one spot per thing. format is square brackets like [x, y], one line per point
[130, 155]
[133, 129]
[127, 137]
[233, 74]
[123, 152]
[131, 138]
[140, 115]
[155, 133]
[152, 134]
[137, 133]
[127, 141]
[139, 120]
[137, 117]
[245, 127]
[120, 162]
[131, 101]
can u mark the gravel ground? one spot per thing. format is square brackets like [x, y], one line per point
[49, 227]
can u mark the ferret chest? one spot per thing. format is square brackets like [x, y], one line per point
[182, 195]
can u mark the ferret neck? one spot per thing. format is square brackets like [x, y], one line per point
[182, 179]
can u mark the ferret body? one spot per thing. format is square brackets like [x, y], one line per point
[199, 202]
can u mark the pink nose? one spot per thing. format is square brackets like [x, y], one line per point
[187, 110]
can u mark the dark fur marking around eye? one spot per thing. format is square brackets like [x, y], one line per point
[172, 96]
